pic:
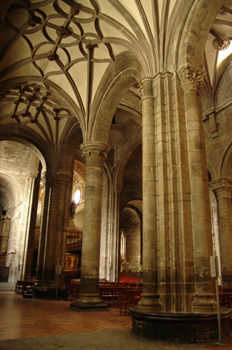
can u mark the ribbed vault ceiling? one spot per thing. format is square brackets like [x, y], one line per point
[55, 53]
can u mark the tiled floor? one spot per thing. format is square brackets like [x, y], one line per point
[27, 324]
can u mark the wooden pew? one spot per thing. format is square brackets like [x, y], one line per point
[21, 286]
[129, 297]
[73, 290]
[110, 294]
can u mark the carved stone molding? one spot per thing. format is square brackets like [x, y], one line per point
[220, 183]
[221, 43]
[95, 153]
[46, 179]
[146, 89]
[33, 174]
[191, 78]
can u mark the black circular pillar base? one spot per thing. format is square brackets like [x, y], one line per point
[181, 327]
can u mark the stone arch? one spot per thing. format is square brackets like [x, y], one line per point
[119, 77]
[35, 142]
[131, 225]
[195, 32]
[126, 153]
[70, 141]
[10, 192]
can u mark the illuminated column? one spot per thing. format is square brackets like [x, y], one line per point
[200, 205]
[95, 154]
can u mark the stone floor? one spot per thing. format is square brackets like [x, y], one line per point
[29, 324]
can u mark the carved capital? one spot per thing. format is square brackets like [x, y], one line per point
[95, 153]
[146, 89]
[221, 43]
[46, 179]
[191, 78]
[220, 183]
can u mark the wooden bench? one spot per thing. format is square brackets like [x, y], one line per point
[110, 294]
[21, 286]
[129, 298]
[73, 290]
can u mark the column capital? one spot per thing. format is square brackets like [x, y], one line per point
[191, 78]
[95, 153]
[46, 179]
[220, 183]
[146, 89]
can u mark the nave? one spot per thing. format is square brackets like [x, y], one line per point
[31, 324]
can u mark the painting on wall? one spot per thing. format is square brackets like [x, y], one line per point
[71, 262]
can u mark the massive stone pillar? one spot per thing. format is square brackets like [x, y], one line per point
[95, 154]
[223, 188]
[178, 302]
[204, 299]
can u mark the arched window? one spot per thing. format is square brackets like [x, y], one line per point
[77, 196]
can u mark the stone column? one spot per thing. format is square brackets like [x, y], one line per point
[150, 297]
[95, 154]
[200, 205]
[47, 181]
[56, 210]
[31, 219]
[61, 201]
[223, 188]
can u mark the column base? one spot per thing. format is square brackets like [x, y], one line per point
[181, 327]
[89, 302]
[89, 307]
[204, 303]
